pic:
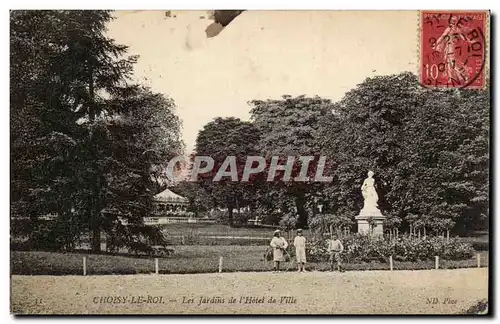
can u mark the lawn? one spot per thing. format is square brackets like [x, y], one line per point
[219, 234]
[217, 230]
[208, 234]
[190, 259]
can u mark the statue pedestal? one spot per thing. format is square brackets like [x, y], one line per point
[377, 224]
[370, 209]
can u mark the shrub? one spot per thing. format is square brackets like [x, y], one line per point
[454, 250]
[288, 222]
[364, 248]
[221, 216]
[241, 218]
[316, 250]
[323, 223]
[47, 237]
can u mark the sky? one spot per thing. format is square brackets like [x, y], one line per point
[262, 55]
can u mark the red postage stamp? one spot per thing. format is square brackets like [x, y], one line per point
[453, 49]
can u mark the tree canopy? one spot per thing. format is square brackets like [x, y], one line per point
[289, 127]
[88, 144]
[219, 139]
[79, 129]
[428, 149]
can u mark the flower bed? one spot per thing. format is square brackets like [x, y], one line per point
[363, 248]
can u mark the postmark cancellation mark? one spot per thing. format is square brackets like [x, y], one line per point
[453, 49]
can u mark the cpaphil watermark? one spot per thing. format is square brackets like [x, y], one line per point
[253, 168]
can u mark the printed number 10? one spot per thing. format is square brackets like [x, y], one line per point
[433, 72]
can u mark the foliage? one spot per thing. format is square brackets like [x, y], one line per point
[316, 250]
[140, 142]
[323, 223]
[199, 202]
[365, 248]
[392, 222]
[288, 221]
[79, 130]
[90, 147]
[428, 149]
[219, 139]
[289, 127]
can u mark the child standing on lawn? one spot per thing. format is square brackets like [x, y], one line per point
[335, 248]
[300, 250]
[279, 244]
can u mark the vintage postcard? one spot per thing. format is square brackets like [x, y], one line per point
[249, 162]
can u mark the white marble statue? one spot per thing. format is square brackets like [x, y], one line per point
[370, 195]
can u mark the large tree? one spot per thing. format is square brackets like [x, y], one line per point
[138, 143]
[73, 116]
[289, 127]
[219, 139]
[428, 149]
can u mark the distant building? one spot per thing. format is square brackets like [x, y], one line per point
[170, 207]
[170, 203]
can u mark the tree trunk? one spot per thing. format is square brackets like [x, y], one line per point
[94, 217]
[230, 215]
[253, 210]
[96, 227]
[302, 213]
[238, 206]
[96, 238]
[447, 235]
